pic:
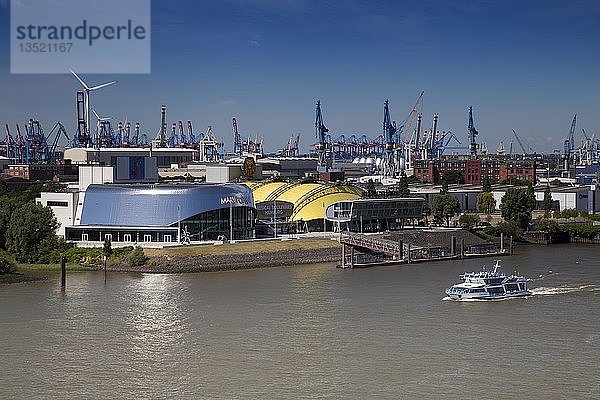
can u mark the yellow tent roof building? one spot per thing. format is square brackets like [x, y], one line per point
[309, 199]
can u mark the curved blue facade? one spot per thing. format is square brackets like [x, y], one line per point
[158, 205]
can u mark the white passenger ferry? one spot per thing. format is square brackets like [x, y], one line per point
[488, 285]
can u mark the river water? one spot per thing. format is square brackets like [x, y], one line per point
[307, 332]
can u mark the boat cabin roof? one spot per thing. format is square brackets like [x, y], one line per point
[469, 285]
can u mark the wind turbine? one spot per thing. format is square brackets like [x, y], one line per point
[98, 125]
[87, 91]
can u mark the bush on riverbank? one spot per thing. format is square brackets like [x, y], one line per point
[508, 228]
[94, 256]
[584, 231]
[137, 258]
[7, 264]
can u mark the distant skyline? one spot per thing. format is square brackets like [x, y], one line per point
[527, 65]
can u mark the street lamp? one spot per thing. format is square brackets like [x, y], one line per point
[275, 216]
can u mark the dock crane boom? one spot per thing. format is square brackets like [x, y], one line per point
[58, 131]
[569, 144]
[520, 143]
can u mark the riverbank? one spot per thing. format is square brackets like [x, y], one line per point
[39, 272]
[253, 254]
[234, 256]
[273, 253]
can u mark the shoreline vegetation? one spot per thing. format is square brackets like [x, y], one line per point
[217, 257]
[197, 258]
[40, 272]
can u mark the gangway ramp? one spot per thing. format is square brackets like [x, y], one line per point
[374, 244]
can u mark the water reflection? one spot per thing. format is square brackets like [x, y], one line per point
[155, 318]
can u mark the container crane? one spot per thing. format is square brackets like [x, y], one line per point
[183, 139]
[8, 144]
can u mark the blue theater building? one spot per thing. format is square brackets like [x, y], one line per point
[164, 213]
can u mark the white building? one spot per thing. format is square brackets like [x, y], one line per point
[64, 207]
[580, 198]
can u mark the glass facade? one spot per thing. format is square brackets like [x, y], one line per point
[210, 225]
[375, 215]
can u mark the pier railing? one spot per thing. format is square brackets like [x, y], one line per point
[378, 245]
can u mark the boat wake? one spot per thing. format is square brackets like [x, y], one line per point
[550, 291]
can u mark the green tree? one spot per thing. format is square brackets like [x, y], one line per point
[516, 206]
[444, 189]
[487, 185]
[486, 202]
[444, 207]
[508, 228]
[531, 196]
[556, 214]
[30, 225]
[137, 257]
[453, 177]
[6, 209]
[51, 249]
[569, 213]
[468, 221]
[547, 202]
[403, 190]
[7, 264]
[107, 247]
[547, 225]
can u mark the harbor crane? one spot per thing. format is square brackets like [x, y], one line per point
[389, 133]
[321, 146]
[58, 131]
[237, 138]
[520, 142]
[569, 144]
[472, 134]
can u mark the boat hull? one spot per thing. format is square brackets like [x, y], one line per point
[484, 296]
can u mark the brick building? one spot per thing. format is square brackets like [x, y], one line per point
[474, 169]
[64, 172]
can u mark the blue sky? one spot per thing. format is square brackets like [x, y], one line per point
[527, 65]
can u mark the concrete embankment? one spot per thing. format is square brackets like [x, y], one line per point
[261, 254]
[226, 257]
